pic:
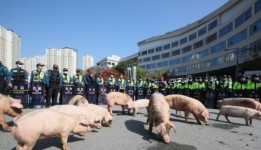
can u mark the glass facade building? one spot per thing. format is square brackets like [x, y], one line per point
[209, 44]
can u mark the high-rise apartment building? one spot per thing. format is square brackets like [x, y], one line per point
[64, 58]
[10, 44]
[87, 62]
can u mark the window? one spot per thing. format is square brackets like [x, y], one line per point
[226, 29]
[113, 64]
[237, 38]
[144, 53]
[176, 52]
[109, 63]
[182, 69]
[150, 66]
[211, 38]
[174, 61]
[146, 59]
[219, 47]
[156, 57]
[167, 46]
[162, 64]
[186, 49]
[207, 64]
[140, 60]
[215, 61]
[139, 54]
[174, 44]
[192, 36]
[212, 25]
[184, 40]
[230, 57]
[257, 6]
[256, 27]
[243, 17]
[186, 58]
[150, 51]
[256, 46]
[204, 53]
[165, 55]
[158, 49]
[198, 44]
[202, 31]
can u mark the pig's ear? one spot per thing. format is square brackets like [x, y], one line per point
[171, 125]
[16, 104]
[159, 128]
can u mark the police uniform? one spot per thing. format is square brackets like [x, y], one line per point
[78, 79]
[66, 78]
[54, 83]
[18, 74]
[121, 84]
[240, 87]
[5, 78]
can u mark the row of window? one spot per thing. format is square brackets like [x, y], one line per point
[228, 28]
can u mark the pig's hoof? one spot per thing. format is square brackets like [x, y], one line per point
[7, 130]
[207, 124]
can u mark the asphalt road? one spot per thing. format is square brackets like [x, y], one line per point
[128, 132]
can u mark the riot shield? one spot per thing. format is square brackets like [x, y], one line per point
[197, 94]
[210, 99]
[37, 95]
[20, 91]
[79, 90]
[187, 92]
[139, 93]
[147, 92]
[66, 94]
[130, 91]
[221, 94]
[239, 93]
[91, 93]
[255, 94]
[112, 89]
[102, 90]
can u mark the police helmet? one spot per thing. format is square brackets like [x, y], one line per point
[39, 64]
[18, 62]
[78, 70]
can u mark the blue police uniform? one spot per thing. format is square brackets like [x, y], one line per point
[54, 83]
[5, 78]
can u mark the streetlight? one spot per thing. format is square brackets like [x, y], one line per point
[237, 53]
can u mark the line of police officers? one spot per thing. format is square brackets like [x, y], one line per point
[207, 91]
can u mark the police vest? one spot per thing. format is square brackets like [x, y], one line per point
[78, 79]
[130, 83]
[100, 81]
[18, 74]
[66, 79]
[111, 81]
[140, 84]
[121, 82]
[148, 85]
[37, 76]
[54, 77]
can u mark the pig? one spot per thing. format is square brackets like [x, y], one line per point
[240, 112]
[101, 111]
[11, 107]
[78, 100]
[118, 98]
[159, 114]
[244, 102]
[95, 120]
[45, 123]
[188, 105]
[141, 103]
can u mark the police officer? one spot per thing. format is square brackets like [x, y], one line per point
[240, 86]
[54, 83]
[130, 82]
[121, 83]
[147, 88]
[189, 87]
[111, 82]
[5, 79]
[18, 74]
[88, 79]
[154, 86]
[99, 80]
[254, 87]
[78, 79]
[37, 81]
[162, 85]
[66, 77]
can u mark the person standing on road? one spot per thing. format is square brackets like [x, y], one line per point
[5, 79]
[18, 74]
[54, 83]
[78, 79]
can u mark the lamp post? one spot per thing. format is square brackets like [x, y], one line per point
[237, 53]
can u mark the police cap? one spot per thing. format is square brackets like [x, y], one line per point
[65, 69]
[39, 64]
[255, 75]
[18, 62]
[78, 70]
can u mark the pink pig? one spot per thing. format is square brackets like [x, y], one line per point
[10, 107]
[141, 103]
[100, 111]
[159, 114]
[188, 105]
[118, 98]
[240, 112]
[78, 100]
[94, 119]
[244, 102]
[45, 123]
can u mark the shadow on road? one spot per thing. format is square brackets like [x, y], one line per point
[137, 127]
[171, 146]
[53, 141]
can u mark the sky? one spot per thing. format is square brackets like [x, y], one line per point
[99, 28]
